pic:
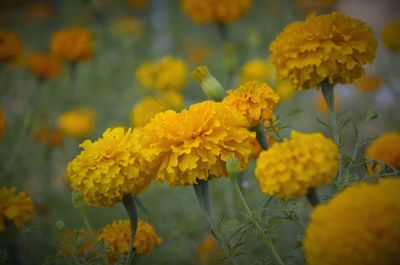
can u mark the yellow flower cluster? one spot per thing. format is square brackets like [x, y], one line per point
[108, 168]
[254, 100]
[117, 234]
[257, 70]
[168, 73]
[289, 169]
[44, 66]
[10, 46]
[2, 122]
[331, 47]
[391, 36]
[358, 226]
[16, 208]
[72, 44]
[385, 148]
[195, 144]
[215, 11]
[78, 122]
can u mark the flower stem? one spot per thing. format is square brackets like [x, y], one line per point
[312, 197]
[327, 92]
[130, 207]
[85, 220]
[260, 135]
[202, 195]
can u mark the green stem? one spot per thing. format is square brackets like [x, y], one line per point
[267, 240]
[130, 207]
[85, 220]
[327, 92]
[312, 197]
[202, 195]
[261, 137]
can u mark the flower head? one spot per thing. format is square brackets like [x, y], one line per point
[183, 148]
[358, 226]
[391, 36]
[211, 87]
[77, 123]
[44, 66]
[385, 148]
[257, 70]
[256, 101]
[331, 47]
[15, 207]
[215, 11]
[288, 169]
[117, 234]
[10, 46]
[108, 169]
[72, 44]
[168, 73]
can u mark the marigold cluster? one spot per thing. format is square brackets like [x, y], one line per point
[290, 168]
[108, 169]
[10, 46]
[358, 226]
[254, 100]
[331, 47]
[391, 36]
[257, 70]
[168, 73]
[117, 234]
[44, 66]
[385, 148]
[183, 148]
[72, 44]
[78, 122]
[215, 11]
[14, 207]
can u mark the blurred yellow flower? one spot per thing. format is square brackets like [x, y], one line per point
[391, 36]
[72, 44]
[254, 100]
[44, 66]
[385, 148]
[2, 122]
[116, 238]
[368, 83]
[320, 103]
[50, 137]
[10, 46]
[285, 90]
[183, 148]
[127, 27]
[108, 169]
[15, 208]
[165, 74]
[78, 122]
[290, 168]
[358, 226]
[215, 11]
[331, 47]
[258, 70]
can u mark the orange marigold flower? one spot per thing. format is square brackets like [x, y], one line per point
[72, 44]
[10, 46]
[368, 83]
[44, 66]
[385, 148]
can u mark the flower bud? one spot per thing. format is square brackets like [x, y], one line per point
[60, 225]
[232, 166]
[211, 87]
[78, 200]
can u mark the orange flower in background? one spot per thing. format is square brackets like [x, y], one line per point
[391, 36]
[385, 148]
[321, 104]
[51, 138]
[72, 44]
[2, 122]
[38, 11]
[10, 46]
[208, 251]
[44, 66]
[78, 122]
[369, 83]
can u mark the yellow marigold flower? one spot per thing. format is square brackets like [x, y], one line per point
[16, 208]
[331, 47]
[257, 70]
[10, 46]
[208, 251]
[127, 27]
[385, 148]
[168, 73]
[44, 66]
[391, 36]
[2, 122]
[117, 234]
[108, 169]
[321, 104]
[72, 44]
[50, 137]
[78, 122]
[256, 101]
[368, 83]
[290, 168]
[195, 144]
[358, 226]
[215, 11]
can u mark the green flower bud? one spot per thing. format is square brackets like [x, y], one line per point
[211, 87]
[232, 166]
[60, 225]
[78, 200]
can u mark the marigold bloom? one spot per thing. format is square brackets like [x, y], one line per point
[195, 144]
[290, 168]
[331, 47]
[257, 70]
[44, 66]
[2, 122]
[50, 137]
[116, 237]
[368, 83]
[391, 36]
[72, 44]
[321, 104]
[358, 226]
[168, 73]
[256, 101]
[385, 148]
[78, 122]
[16, 208]
[215, 11]
[10, 46]
[108, 169]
